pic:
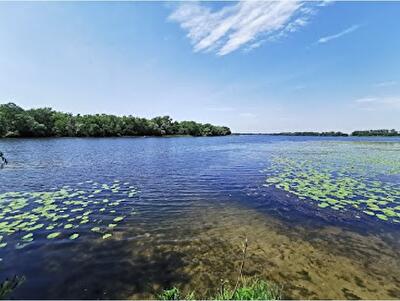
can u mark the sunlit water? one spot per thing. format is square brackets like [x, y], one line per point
[187, 205]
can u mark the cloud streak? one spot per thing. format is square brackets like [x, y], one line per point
[246, 23]
[221, 109]
[338, 35]
[374, 103]
[247, 115]
[385, 84]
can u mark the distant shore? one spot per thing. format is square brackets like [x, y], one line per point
[366, 133]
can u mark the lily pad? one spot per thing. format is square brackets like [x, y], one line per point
[107, 235]
[74, 236]
[53, 235]
[118, 218]
[27, 236]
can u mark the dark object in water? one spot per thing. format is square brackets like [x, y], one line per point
[3, 159]
[9, 285]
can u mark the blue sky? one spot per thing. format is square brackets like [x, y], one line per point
[253, 66]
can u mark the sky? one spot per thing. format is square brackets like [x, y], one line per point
[252, 66]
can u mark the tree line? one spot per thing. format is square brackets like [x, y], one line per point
[383, 132]
[335, 134]
[46, 122]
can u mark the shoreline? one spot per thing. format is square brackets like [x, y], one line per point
[191, 136]
[96, 137]
[292, 135]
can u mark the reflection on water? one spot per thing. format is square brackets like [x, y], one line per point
[198, 200]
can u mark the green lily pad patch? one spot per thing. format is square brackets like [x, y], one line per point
[69, 211]
[361, 178]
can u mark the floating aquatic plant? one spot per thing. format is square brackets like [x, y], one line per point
[74, 236]
[60, 212]
[118, 219]
[53, 235]
[107, 235]
[360, 177]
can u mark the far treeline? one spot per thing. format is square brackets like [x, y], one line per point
[385, 133]
[45, 122]
[311, 134]
[376, 133]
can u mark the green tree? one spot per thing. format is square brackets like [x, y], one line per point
[44, 116]
[45, 122]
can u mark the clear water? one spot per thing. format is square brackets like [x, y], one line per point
[196, 200]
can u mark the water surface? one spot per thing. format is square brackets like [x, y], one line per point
[320, 215]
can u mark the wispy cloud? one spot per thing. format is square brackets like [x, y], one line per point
[247, 115]
[246, 23]
[374, 103]
[221, 109]
[385, 84]
[338, 35]
[326, 2]
[299, 87]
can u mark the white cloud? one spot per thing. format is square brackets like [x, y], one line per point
[366, 100]
[385, 84]
[338, 35]
[248, 23]
[326, 2]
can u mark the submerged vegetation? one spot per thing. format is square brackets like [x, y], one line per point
[45, 122]
[357, 177]
[60, 213]
[244, 288]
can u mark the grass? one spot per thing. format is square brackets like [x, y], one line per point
[175, 294]
[250, 289]
[253, 289]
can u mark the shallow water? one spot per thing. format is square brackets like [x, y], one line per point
[188, 203]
